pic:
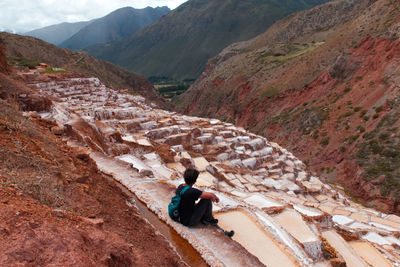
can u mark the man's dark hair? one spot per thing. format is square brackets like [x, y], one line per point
[191, 176]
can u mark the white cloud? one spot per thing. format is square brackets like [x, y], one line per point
[25, 15]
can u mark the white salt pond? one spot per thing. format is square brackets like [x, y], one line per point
[144, 142]
[341, 219]
[201, 163]
[261, 202]
[347, 252]
[136, 163]
[255, 239]
[370, 254]
[376, 238]
[176, 166]
[128, 138]
[294, 224]
[385, 227]
[205, 179]
[307, 211]
[159, 170]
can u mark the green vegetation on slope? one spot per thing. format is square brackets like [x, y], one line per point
[379, 154]
[281, 53]
[22, 63]
[179, 44]
[169, 88]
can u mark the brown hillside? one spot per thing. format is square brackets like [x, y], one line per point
[3, 61]
[56, 208]
[322, 83]
[18, 46]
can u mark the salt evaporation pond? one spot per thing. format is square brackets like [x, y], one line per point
[347, 252]
[369, 254]
[251, 236]
[262, 202]
[294, 224]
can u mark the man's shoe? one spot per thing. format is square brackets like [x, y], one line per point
[230, 233]
[211, 221]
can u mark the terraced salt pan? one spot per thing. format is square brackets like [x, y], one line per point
[261, 202]
[136, 163]
[144, 142]
[225, 202]
[343, 212]
[184, 155]
[358, 225]
[341, 219]
[239, 193]
[215, 248]
[370, 254]
[347, 252]
[284, 236]
[159, 170]
[384, 227]
[393, 218]
[393, 240]
[376, 238]
[205, 179]
[388, 223]
[294, 224]
[307, 211]
[252, 237]
[283, 170]
[176, 166]
[360, 217]
[201, 163]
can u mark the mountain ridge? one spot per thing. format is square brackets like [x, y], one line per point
[116, 25]
[58, 33]
[179, 44]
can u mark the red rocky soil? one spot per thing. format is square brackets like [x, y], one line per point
[56, 208]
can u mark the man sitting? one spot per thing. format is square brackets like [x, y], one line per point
[190, 212]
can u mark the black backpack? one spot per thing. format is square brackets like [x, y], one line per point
[173, 206]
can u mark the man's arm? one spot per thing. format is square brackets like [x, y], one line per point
[208, 195]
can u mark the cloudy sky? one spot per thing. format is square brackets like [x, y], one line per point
[25, 15]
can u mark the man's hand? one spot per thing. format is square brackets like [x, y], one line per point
[215, 199]
[211, 196]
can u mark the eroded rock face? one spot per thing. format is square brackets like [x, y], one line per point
[267, 195]
[343, 67]
[32, 102]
